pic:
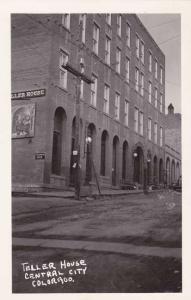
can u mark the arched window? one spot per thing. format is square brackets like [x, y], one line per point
[59, 118]
[104, 142]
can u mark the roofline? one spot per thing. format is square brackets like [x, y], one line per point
[149, 34]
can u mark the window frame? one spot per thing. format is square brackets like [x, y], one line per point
[96, 32]
[118, 60]
[136, 119]
[66, 21]
[106, 98]
[117, 106]
[63, 71]
[126, 113]
[119, 23]
[82, 18]
[149, 129]
[107, 51]
[93, 97]
[128, 35]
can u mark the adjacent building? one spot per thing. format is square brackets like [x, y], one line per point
[123, 110]
[173, 146]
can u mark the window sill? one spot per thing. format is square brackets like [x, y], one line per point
[106, 114]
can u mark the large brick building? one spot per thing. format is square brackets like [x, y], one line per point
[122, 111]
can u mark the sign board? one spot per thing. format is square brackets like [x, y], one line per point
[39, 155]
[28, 94]
[23, 119]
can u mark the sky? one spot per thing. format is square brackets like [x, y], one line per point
[166, 31]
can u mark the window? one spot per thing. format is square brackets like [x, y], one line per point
[94, 91]
[150, 62]
[117, 101]
[127, 64]
[142, 52]
[156, 69]
[150, 91]
[137, 46]
[108, 19]
[82, 85]
[118, 60]
[141, 123]
[161, 137]
[126, 113]
[136, 116]
[128, 35]
[142, 84]
[156, 97]
[107, 50]
[66, 20]
[161, 102]
[155, 133]
[136, 79]
[161, 75]
[119, 25]
[83, 20]
[149, 129]
[106, 99]
[95, 38]
[63, 72]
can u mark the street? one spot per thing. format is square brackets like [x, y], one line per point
[128, 243]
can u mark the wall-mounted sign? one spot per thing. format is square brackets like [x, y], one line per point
[28, 94]
[23, 118]
[39, 155]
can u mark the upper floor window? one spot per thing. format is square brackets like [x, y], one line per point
[136, 79]
[117, 105]
[161, 75]
[127, 65]
[161, 102]
[93, 100]
[95, 38]
[119, 25]
[107, 50]
[136, 119]
[63, 72]
[128, 35]
[156, 69]
[83, 21]
[142, 84]
[142, 52]
[66, 20]
[155, 133]
[156, 97]
[137, 46]
[161, 136]
[141, 123]
[126, 113]
[149, 129]
[150, 62]
[106, 99]
[118, 60]
[108, 19]
[150, 91]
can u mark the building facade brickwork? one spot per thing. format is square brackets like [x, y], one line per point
[123, 111]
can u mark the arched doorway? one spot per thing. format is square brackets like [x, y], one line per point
[161, 171]
[168, 171]
[115, 160]
[149, 162]
[59, 119]
[177, 171]
[124, 160]
[155, 172]
[173, 171]
[138, 165]
[104, 151]
[90, 149]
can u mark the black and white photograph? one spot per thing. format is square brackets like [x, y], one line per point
[95, 174]
[96, 153]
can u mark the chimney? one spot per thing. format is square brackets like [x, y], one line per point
[170, 109]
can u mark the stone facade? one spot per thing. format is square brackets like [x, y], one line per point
[122, 145]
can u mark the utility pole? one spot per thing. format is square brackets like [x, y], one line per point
[79, 77]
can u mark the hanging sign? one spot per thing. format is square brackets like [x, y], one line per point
[28, 94]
